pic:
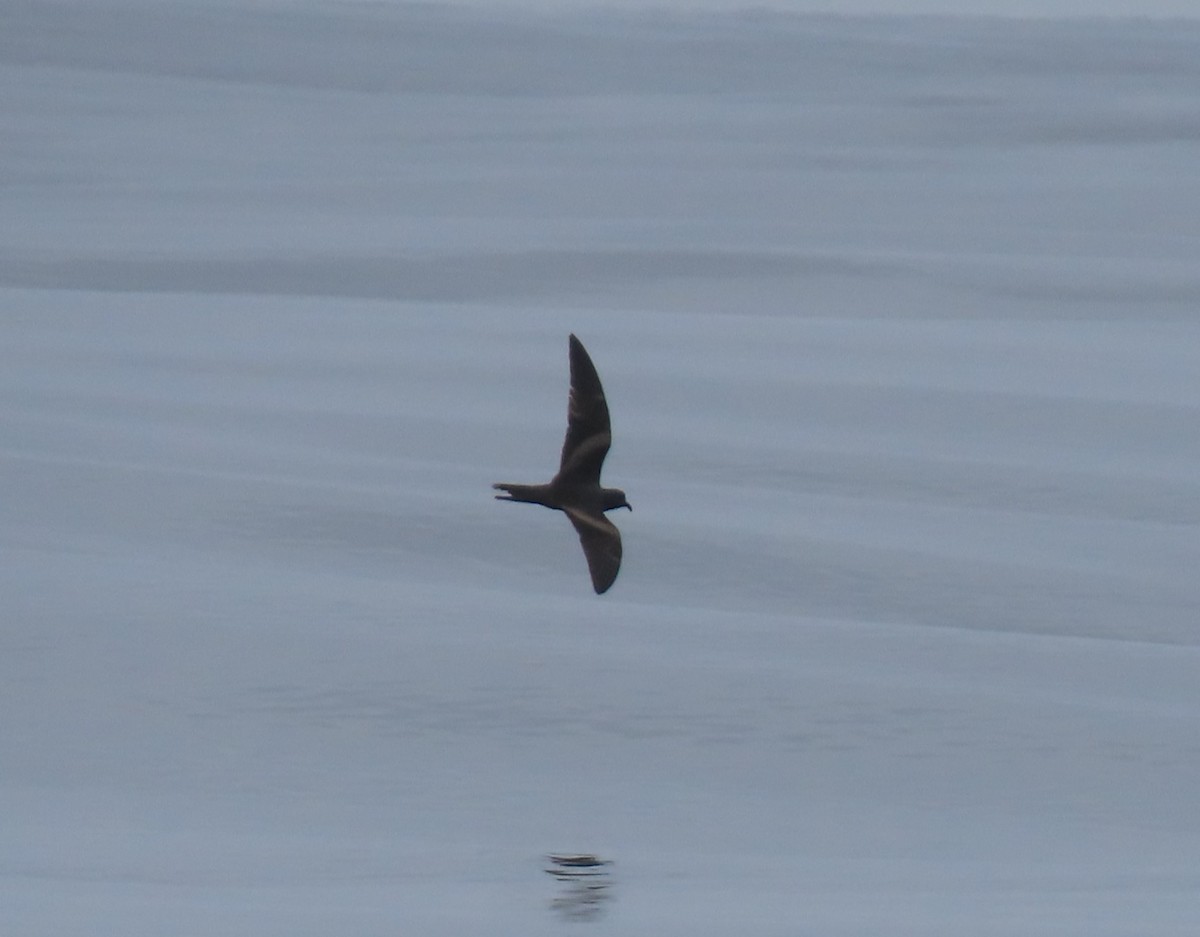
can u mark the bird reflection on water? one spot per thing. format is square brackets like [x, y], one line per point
[586, 885]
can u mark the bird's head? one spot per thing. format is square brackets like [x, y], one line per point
[615, 498]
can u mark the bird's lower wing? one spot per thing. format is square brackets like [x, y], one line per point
[601, 545]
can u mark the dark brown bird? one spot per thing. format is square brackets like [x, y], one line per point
[576, 490]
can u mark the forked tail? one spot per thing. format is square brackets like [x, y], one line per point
[527, 493]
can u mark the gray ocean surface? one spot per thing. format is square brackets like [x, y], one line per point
[898, 323]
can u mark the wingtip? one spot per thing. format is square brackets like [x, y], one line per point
[600, 585]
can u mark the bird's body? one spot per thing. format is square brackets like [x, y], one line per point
[576, 489]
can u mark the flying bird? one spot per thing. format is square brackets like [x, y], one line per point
[576, 489]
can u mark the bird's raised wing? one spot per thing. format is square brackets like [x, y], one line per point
[589, 432]
[601, 545]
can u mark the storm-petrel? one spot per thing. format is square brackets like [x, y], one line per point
[576, 490]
